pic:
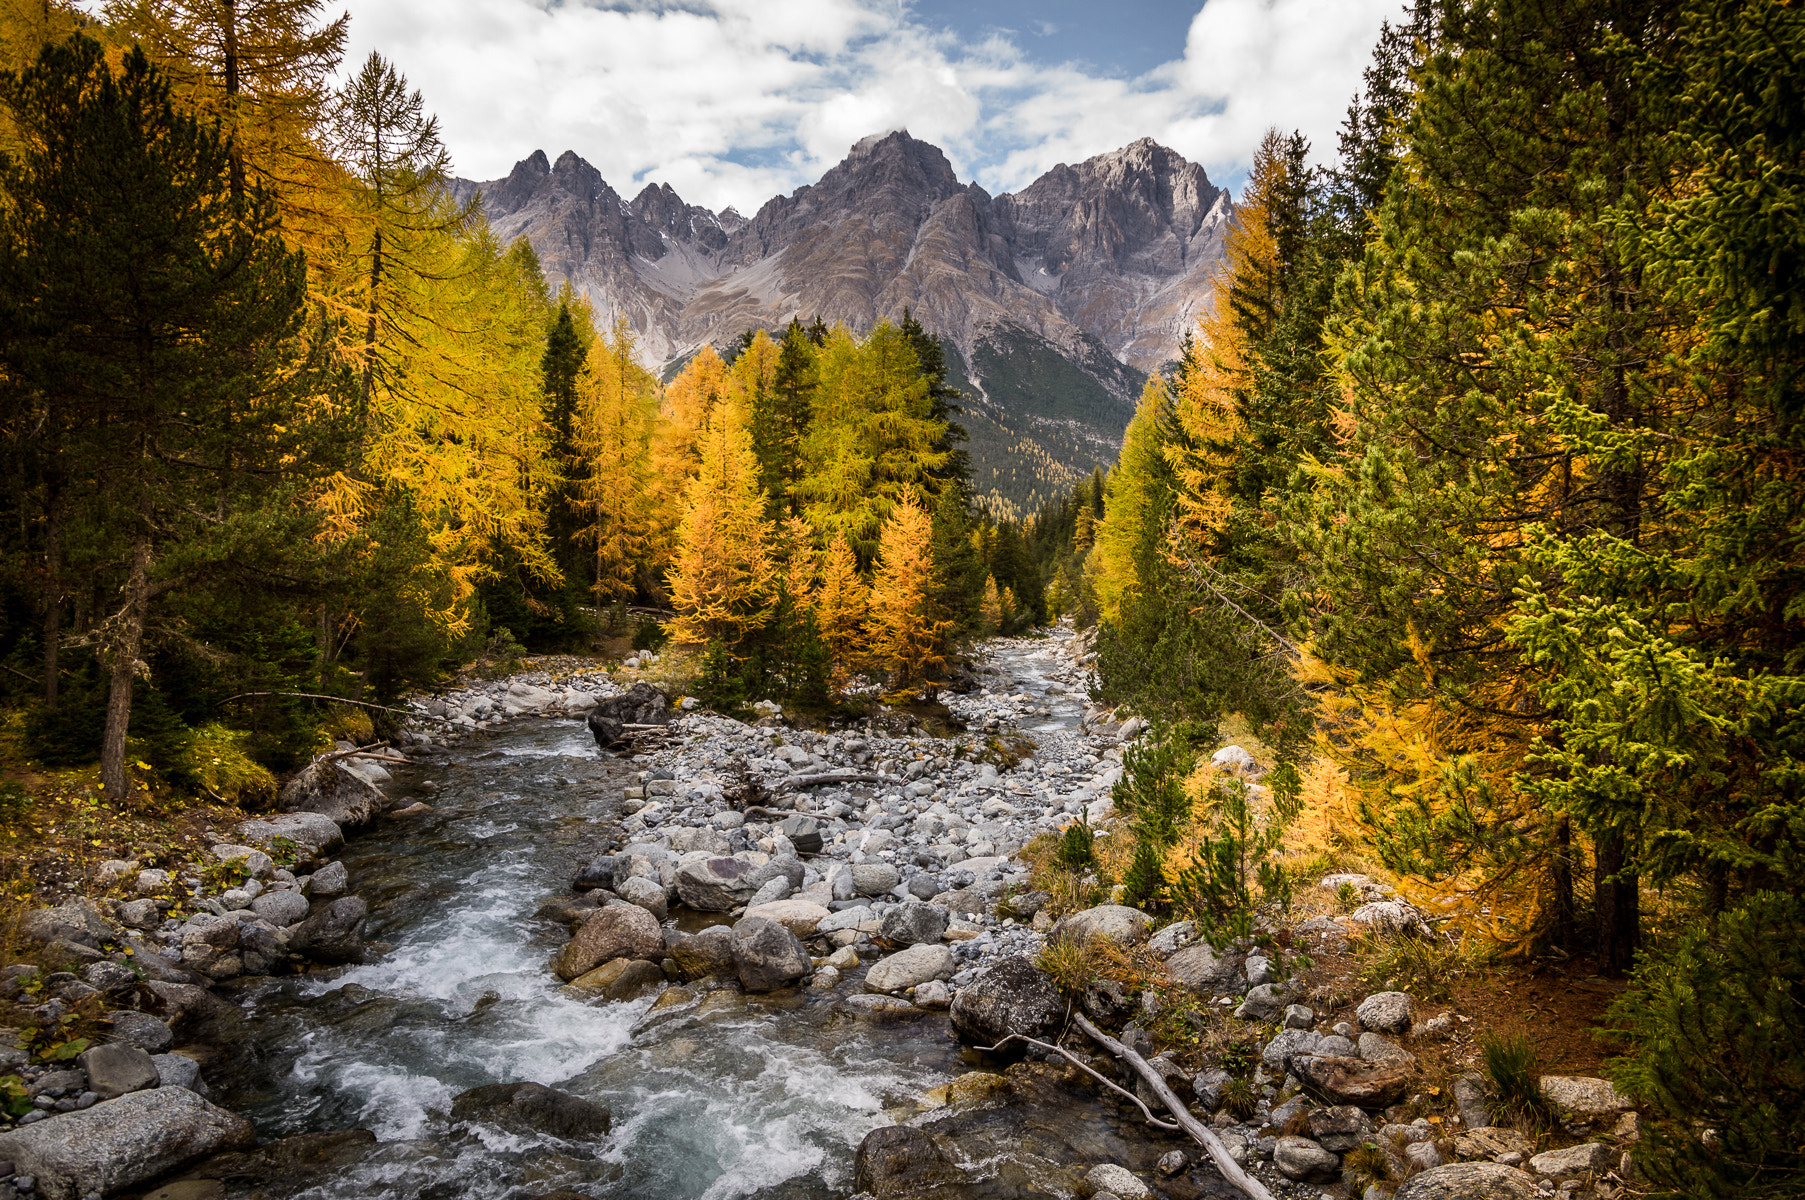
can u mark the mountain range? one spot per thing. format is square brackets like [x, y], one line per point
[1053, 303]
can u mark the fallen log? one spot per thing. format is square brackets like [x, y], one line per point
[1205, 1136]
[1086, 1068]
[796, 782]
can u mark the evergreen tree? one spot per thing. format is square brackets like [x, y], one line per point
[907, 637]
[723, 579]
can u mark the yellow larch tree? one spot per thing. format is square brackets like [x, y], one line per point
[907, 636]
[723, 580]
[676, 448]
[991, 610]
[802, 561]
[614, 412]
[841, 604]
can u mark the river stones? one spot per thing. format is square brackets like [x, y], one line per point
[332, 933]
[1116, 922]
[1011, 997]
[533, 1108]
[287, 1160]
[767, 956]
[900, 1162]
[800, 917]
[874, 879]
[641, 704]
[707, 953]
[647, 894]
[596, 873]
[1469, 1181]
[913, 924]
[116, 1069]
[620, 979]
[1336, 1079]
[281, 908]
[140, 1029]
[313, 830]
[617, 931]
[1118, 1181]
[906, 968]
[113, 1146]
[717, 884]
[326, 787]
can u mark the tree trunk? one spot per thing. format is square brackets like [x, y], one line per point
[1563, 884]
[363, 402]
[1616, 895]
[53, 601]
[231, 82]
[126, 643]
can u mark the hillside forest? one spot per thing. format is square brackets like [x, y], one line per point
[1476, 496]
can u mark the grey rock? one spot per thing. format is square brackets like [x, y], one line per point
[1585, 1096]
[114, 1146]
[1473, 1102]
[333, 932]
[1289, 1042]
[1208, 1087]
[1282, 1115]
[617, 931]
[109, 977]
[1298, 1017]
[1108, 1001]
[315, 831]
[1392, 916]
[535, 1108]
[874, 879]
[900, 1162]
[1587, 1158]
[641, 704]
[178, 1070]
[596, 873]
[913, 924]
[1376, 1048]
[1172, 939]
[140, 914]
[707, 953]
[1010, 996]
[115, 1069]
[1302, 1159]
[77, 922]
[1259, 970]
[1115, 922]
[1340, 1127]
[1343, 1080]
[1262, 1003]
[141, 1030]
[770, 891]
[1203, 970]
[803, 831]
[327, 788]
[1172, 1163]
[924, 887]
[767, 956]
[330, 880]
[1469, 1181]
[716, 884]
[647, 895]
[906, 968]
[1387, 1012]
[1119, 1181]
[281, 908]
[1423, 1155]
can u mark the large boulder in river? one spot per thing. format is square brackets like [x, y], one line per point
[1014, 996]
[114, 1146]
[717, 884]
[617, 931]
[709, 952]
[900, 1162]
[532, 1108]
[326, 787]
[641, 704]
[332, 933]
[314, 831]
[767, 956]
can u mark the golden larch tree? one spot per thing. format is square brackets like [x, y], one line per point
[906, 635]
[723, 580]
[615, 398]
[841, 604]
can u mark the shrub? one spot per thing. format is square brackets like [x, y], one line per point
[216, 760]
[1425, 967]
[1077, 846]
[1515, 1074]
[1718, 1029]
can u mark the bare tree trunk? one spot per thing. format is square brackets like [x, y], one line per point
[53, 601]
[126, 642]
[1563, 884]
[1616, 894]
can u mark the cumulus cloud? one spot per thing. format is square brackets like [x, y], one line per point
[731, 101]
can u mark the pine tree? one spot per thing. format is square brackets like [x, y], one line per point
[841, 607]
[723, 580]
[991, 620]
[612, 428]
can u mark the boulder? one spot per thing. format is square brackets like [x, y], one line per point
[1340, 1127]
[326, 787]
[178, 1070]
[767, 956]
[116, 1069]
[1302, 1159]
[1202, 969]
[620, 979]
[803, 831]
[281, 908]
[288, 1161]
[108, 976]
[1489, 1141]
[647, 894]
[141, 1030]
[1587, 1158]
[1392, 916]
[641, 704]
[1342, 1080]
[330, 880]
[1009, 997]
[311, 830]
[78, 922]
[900, 1162]
[933, 995]
[617, 931]
[1117, 1181]
[333, 932]
[874, 879]
[707, 953]
[1473, 1101]
[117, 1145]
[910, 967]
[532, 1108]
[1172, 939]
[800, 917]
[140, 914]
[596, 873]
[1263, 1003]
[717, 884]
[1288, 1044]
[913, 924]
[1387, 1012]
[1469, 1181]
[1584, 1096]
[1116, 922]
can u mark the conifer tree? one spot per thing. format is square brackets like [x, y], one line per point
[612, 426]
[723, 580]
[841, 606]
[907, 637]
[991, 620]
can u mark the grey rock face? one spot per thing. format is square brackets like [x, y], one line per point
[533, 1107]
[1014, 996]
[767, 956]
[113, 1146]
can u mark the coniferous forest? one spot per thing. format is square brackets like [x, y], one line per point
[1477, 496]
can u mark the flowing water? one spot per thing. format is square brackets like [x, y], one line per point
[731, 1096]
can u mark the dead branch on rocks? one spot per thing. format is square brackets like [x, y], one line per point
[1082, 1066]
[797, 782]
[1205, 1136]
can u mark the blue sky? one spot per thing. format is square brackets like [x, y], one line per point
[732, 101]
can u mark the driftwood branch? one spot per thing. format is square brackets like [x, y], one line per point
[1206, 1137]
[1085, 1067]
[796, 782]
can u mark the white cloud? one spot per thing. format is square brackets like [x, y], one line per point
[731, 101]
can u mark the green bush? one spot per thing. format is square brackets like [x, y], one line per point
[1717, 1024]
[1515, 1074]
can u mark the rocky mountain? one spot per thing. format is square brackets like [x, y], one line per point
[1053, 302]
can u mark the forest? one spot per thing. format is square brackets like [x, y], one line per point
[285, 421]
